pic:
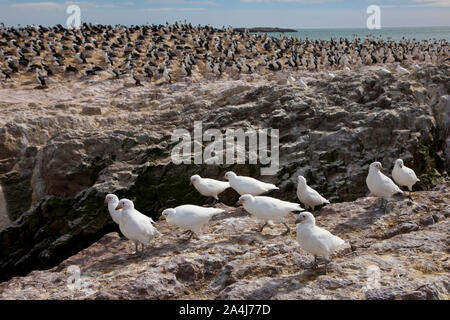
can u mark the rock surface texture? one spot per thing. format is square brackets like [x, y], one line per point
[393, 255]
[77, 141]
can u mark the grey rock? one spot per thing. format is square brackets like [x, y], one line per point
[91, 111]
[57, 164]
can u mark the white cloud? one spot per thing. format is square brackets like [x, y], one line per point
[420, 4]
[433, 3]
[289, 1]
[54, 5]
[36, 5]
[176, 9]
[184, 2]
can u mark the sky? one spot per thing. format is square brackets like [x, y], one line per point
[235, 13]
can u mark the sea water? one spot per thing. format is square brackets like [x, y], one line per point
[396, 34]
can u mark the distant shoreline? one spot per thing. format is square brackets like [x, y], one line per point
[264, 29]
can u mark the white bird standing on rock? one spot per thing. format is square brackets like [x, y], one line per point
[307, 195]
[269, 209]
[113, 201]
[402, 70]
[384, 71]
[209, 187]
[136, 226]
[403, 175]
[247, 185]
[189, 217]
[380, 185]
[291, 80]
[316, 240]
[302, 83]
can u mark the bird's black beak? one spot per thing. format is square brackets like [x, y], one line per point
[119, 206]
[298, 220]
[106, 201]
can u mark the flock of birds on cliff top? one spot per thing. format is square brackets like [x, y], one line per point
[140, 229]
[166, 53]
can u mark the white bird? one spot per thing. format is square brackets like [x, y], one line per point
[190, 217]
[307, 195]
[209, 187]
[247, 185]
[269, 209]
[403, 175]
[113, 201]
[316, 240]
[302, 83]
[291, 80]
[330, 75]
[384, 71]
[401, 70]
[380, 185]
[136, 226]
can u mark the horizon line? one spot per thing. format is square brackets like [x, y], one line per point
[242, 27]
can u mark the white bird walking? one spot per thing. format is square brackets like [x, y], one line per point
[302, 83]
[316, 240]
[209, 187]
[384, 71]
[136, 226]
[189, 217]
[113, 201]
[402, 70]
[307, 195]
[380, 185]
[269, 209]
[291, 80]
[403, 175]
[247, 185]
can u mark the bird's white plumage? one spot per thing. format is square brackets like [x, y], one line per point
[209, 187]
[135, 225]
[402, 70]
[268, 208]
[189, 216]
[291, 80]
[380, 185]
[316, 240]
[302, 83]
[247, 185]
[383, 71]
[403, 175]
[307, 195]
[113, 201]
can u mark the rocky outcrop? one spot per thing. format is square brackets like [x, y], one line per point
[392, 255]
[4, 219]
[77, 141]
